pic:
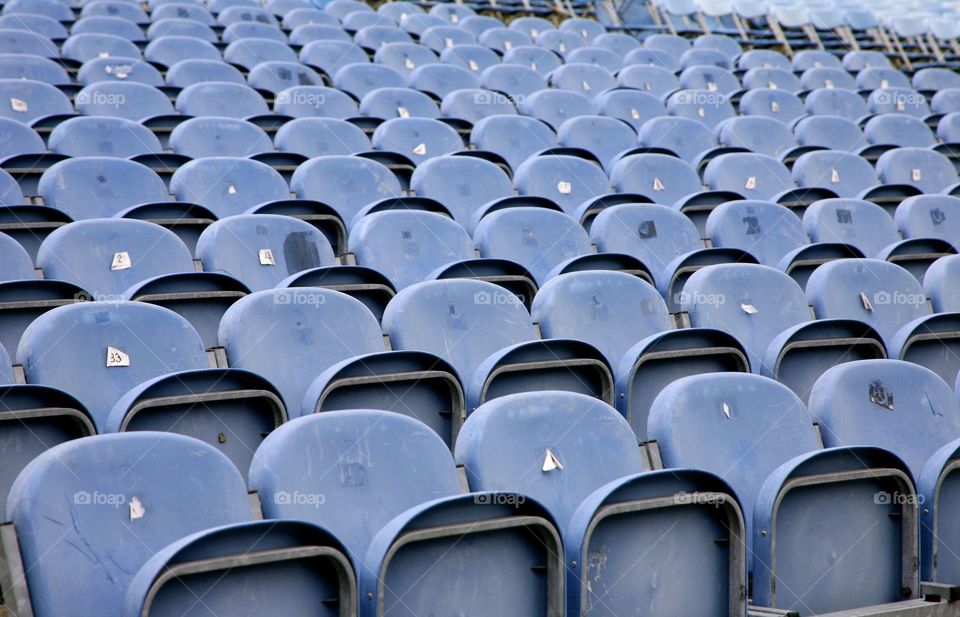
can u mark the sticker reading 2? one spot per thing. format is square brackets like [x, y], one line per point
[266, 258]
[116, 358]
[121, 261]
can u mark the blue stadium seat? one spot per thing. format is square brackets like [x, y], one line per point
[777, 104]
[10, 193]
[856, 61]
[775, 79]
[119, 69]
[31, 101]
[347, 369]
[478, 24]
[23, 41]
[474, 105]
[873, 78]
[312, 137]
[568, 181]
[135, 250]
[407, 245]
[596, 56]
[929, 216]
[103, 136]
[704, 57]
[587, 79]
[754, 303]
[555, 106]
[844, 173]
[19, 139]
[376, 36]
[359, 79]
[652, 57]
[314, 101]
[83, 47]
[48, 8]
[533, 57]
[439, 38]
[827, 78]
[513, 80]
[709, 108]
[331, 56]
[580, 475]
[701, 421]
[881, 294]
[250, 13]
[216, 532]
[15, 265]
[808, 59]
[505, 41]
[919, 422]
[192, 11]
[35, 68]
[763, 58]
[260, 250]
[474, 58]
[463, 184]
[831, 132]
[212, 136]
[188, 72]
[630, 106]
[228, 185]
[686, 138]
[243, 31]
[99, 351]
[515, 138]
[403, 57]
[718, 42]
[112, 26]
[929, 171]
[613, 311]
[537, 238]
[856, 222]
[836, 102]
[278, 76]
[605, 138]
[759, 134]
[99, 187]
[345, 183]
[439, 80]
[419, 139]
[248, 53]
[898, 101]
[309, 32]
[531, 26]
[40, 24]
[560, 42]
[219, 98]
[180, 27]
[121, 99]
[755, 176]
[933, 79]
[766, 230]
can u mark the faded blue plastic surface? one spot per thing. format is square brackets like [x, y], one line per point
[833, 132]
[314, 327]
[610, 310]
[220, 98]
[67, 348]
[896, 405]
[838, 288]
[566, 180]
[766, 230]
[102, 137]
[228, 185]
[361, 468]
[15, 262]
[217, 137]
[83, 253]
[755, 176]
[233, 245]
[345, 183]
[752, 302]
[844, 173]
[419, 139]
[407, 245]
[462, 183]
[503, 446]
[515, 138]
[72, 511]
[664, 179]
[930, 216]
[536, 238]
[99, 187]
[860, 223]
[929, 171]
[463, 321]
[391, 102]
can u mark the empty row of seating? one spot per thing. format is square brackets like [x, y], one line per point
[363, 511]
